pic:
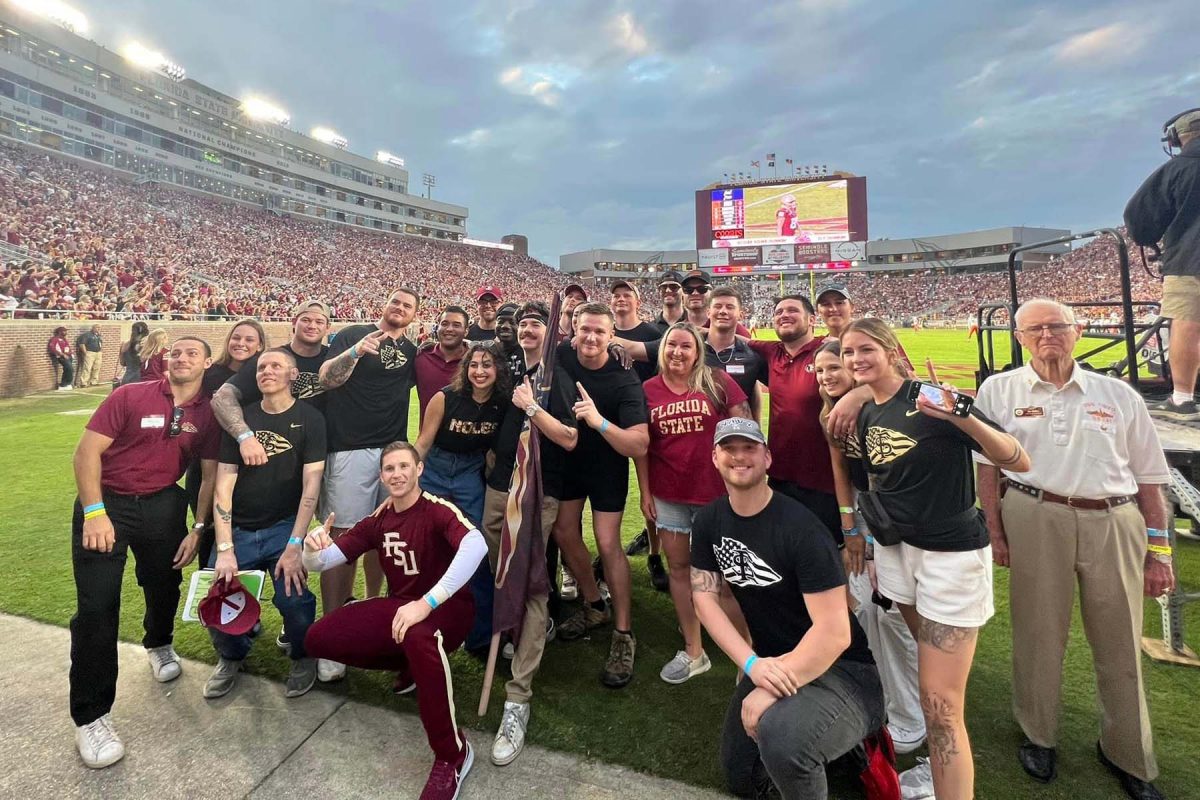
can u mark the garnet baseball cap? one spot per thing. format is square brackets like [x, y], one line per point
[696, 275]
[617, 284]
[577, 288]
[836, 288]
[484, 291]
[671, 276]
[740, 428]
[306, 305]
[230, 608]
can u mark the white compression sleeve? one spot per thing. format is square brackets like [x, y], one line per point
[471, 550]
[319, 560]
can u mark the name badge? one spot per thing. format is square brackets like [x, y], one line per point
[1031, 411]
[154, 421]
[735, 369]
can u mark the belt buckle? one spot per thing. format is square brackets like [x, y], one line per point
[1073, 499]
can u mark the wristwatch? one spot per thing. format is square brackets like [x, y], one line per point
[1160, 558]
[224, 547]
[532, 409]
[199, 526]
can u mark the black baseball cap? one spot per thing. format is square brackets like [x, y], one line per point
[507, 310]
[696, 275]
[671, 276]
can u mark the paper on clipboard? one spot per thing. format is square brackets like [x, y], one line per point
[252, 579]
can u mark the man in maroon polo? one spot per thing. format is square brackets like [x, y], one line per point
[435, 366]
[800, 465]
[128, 463]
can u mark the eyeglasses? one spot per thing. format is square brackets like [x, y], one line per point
[701, 289]
[176, 422]
[1054, 329]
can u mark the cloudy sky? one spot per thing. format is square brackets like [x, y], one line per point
[591, 124]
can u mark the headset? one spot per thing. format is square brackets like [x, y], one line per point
[1170, 137]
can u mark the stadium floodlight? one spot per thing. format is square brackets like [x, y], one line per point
[260, 109]
[384, 157]
[57, 12]
[143, 57]
[330, 136]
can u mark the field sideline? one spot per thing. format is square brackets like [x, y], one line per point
[666, 730]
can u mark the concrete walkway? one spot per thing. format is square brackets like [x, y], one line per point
[252, 743]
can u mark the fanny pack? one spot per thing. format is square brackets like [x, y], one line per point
[887, 531]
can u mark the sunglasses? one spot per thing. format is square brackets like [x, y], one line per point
[176, 422]
[701, 289]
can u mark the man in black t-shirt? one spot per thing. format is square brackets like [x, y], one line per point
[670, 290]
[262, 515]
[558, 434]
[611, 404]
[487, 301]
[626, 300]
[811, 691]
[507, 349]
[368, 375]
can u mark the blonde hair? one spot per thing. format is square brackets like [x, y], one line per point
[876, 329]
[700, 379]
[154, 343]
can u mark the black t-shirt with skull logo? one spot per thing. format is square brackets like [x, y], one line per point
[306, 387]
[268, 494]
[770, 561]
[371, 408]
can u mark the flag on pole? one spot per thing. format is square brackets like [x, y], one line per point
[770, 156]
[754, 163]
[788, 161]
[771, 162]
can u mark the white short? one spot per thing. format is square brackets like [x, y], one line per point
[351, 488]
[950, 588]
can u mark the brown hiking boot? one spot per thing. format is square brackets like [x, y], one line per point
[582, 621]
[618, 670]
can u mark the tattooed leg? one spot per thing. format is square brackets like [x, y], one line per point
[940, 726]
[947, 638]
[945, 653]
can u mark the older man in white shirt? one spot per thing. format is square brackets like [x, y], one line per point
[1089, 510]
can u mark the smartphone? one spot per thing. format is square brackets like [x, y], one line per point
[949, 401]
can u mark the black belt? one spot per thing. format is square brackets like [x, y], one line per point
[1089, 504]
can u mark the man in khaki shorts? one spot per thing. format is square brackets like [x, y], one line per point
[1166, 208]
[1089, 511]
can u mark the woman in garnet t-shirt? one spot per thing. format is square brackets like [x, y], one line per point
[686, 400]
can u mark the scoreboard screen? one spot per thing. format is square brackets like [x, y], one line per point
[782, 213]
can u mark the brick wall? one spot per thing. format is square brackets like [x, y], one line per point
[25, 366]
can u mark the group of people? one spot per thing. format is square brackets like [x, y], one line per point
[839, 562]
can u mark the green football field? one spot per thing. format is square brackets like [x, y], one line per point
[667, 730]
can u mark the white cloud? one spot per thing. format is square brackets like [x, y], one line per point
[628, 35]
[510, 76]
[1115, 42]
[979, 77]
[473, 140]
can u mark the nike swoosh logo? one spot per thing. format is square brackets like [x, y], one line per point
[914, 411]
[294, 425]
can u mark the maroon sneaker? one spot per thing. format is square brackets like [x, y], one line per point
[446, 777]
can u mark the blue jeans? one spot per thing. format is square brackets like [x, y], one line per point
[261, 550]
[459, 479]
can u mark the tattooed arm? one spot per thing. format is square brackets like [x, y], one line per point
[706, 597]
[227, 408]
[336, 371]
[226, 564]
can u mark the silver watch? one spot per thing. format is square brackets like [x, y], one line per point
[1162, 559]
[532, 409]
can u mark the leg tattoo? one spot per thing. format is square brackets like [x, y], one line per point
[946, 638]
[939, 726]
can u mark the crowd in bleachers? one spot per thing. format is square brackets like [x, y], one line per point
[83, 243]
[86, 243]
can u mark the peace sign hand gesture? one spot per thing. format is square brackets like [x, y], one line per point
[369, 343]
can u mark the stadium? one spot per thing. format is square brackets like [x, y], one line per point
[134, 193]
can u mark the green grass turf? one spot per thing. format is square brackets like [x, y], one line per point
[666, 730]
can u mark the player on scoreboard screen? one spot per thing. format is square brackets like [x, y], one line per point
[368, 375]
[428, 550]
[785, 217]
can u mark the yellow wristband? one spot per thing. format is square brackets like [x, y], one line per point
[1159, 549]
[93, 514]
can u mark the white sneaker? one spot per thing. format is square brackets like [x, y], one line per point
[164, 663]
[98, 743]
[905, 740]
[683, 666]
[330, 671]
[917, 783]
[508, 651]
[570, 589]
[510, 739]
[605, 594]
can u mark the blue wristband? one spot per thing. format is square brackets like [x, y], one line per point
[244, 435]
[1151, 533]
[850, 532]
[603, 426]
[295, 540]
[429, 598]
[870, 539]
[750, 659]
[93, 507]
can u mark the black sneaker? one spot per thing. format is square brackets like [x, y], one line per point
[1183, 412]
[640, 544]
[658, 575]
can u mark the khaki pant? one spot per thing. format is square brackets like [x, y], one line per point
[89, 371]
[529, 649]
[1051, 546]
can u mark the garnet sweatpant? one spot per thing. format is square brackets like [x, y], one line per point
[360, 634]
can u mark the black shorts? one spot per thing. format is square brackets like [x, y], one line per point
[824, 505]
[606, 485]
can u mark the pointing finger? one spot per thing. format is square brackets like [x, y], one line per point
[582, 391]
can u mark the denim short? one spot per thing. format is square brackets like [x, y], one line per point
[675, 516]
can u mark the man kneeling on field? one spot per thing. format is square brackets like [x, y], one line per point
[811, 692]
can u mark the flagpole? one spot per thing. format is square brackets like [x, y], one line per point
[490, 672]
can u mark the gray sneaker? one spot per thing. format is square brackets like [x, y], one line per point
[582, 621]
[302, 677]
[618, 669]
[683, 666]
[223, 678]
[1183, 412]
